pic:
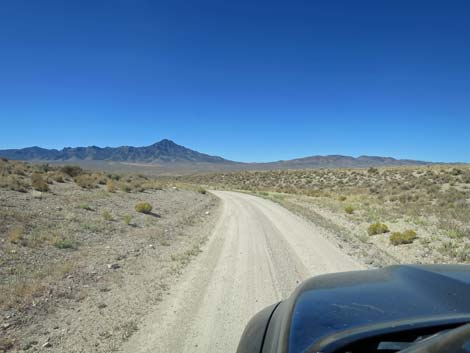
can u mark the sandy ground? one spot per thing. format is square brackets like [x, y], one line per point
[257, 254]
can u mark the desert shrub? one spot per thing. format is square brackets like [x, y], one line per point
[349, 209]
[377, 228]
[110, 186]
[373, 170]
[201, 190]
[14, 183]
[57, 177]
[126, 187]
[127, 219]
[38, 182]
[15, 235]
[137, 186]
[85, 206]
[106, 215]
[143, 207]
[407, 237]
[85, 181]
[71, 170]
[114, 177]
[342, 198]
[63, 243]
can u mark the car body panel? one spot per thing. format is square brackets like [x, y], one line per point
[331, 311]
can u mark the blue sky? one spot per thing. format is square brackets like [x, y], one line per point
[247, 80]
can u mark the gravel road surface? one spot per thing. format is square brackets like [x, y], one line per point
[257, 254]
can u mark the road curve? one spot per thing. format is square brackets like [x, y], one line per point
[257, 255]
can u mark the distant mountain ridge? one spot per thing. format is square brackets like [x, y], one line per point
[339, 161]
[167, 152]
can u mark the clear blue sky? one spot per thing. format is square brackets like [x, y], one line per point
[249, 80]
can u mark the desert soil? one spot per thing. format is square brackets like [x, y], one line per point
[92, 297]
[257, 254]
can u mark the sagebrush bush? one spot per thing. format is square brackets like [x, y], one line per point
[407, 237]
[71, 170]
[349, 209]
[85, 181]
[143, 207]
[38, 182]
[201, 190]
[377, 228]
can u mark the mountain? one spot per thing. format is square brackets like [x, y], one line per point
[167, 155]
[338, 161]
[165, 151]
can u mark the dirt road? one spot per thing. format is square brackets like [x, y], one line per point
[257, 255]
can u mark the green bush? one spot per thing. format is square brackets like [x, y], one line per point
[349, 209]
[143, 207]
[65, 244]
[38, 182]
[127, 219]
[406, 237]
[377, 228]
[201, 190]
[106, 215]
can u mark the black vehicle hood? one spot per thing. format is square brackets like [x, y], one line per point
[326, 308]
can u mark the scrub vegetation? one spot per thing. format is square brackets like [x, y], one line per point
[71, 239]
[416, 214]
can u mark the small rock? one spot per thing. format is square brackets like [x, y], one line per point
[207, 213]
[6, 326]
[151, 246]
[113, 266]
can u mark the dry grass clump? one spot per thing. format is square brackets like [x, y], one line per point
[377, 228]
[38, 182]
[14, 183]
[143, 207]
[15, 236]
[110, 186]
[58, 177]
[407, 237]
[86, 181]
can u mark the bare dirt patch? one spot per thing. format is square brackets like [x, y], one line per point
[80, 266]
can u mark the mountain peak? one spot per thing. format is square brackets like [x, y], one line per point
[160, 152]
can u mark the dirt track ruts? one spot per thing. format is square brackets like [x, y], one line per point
[257, 255]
